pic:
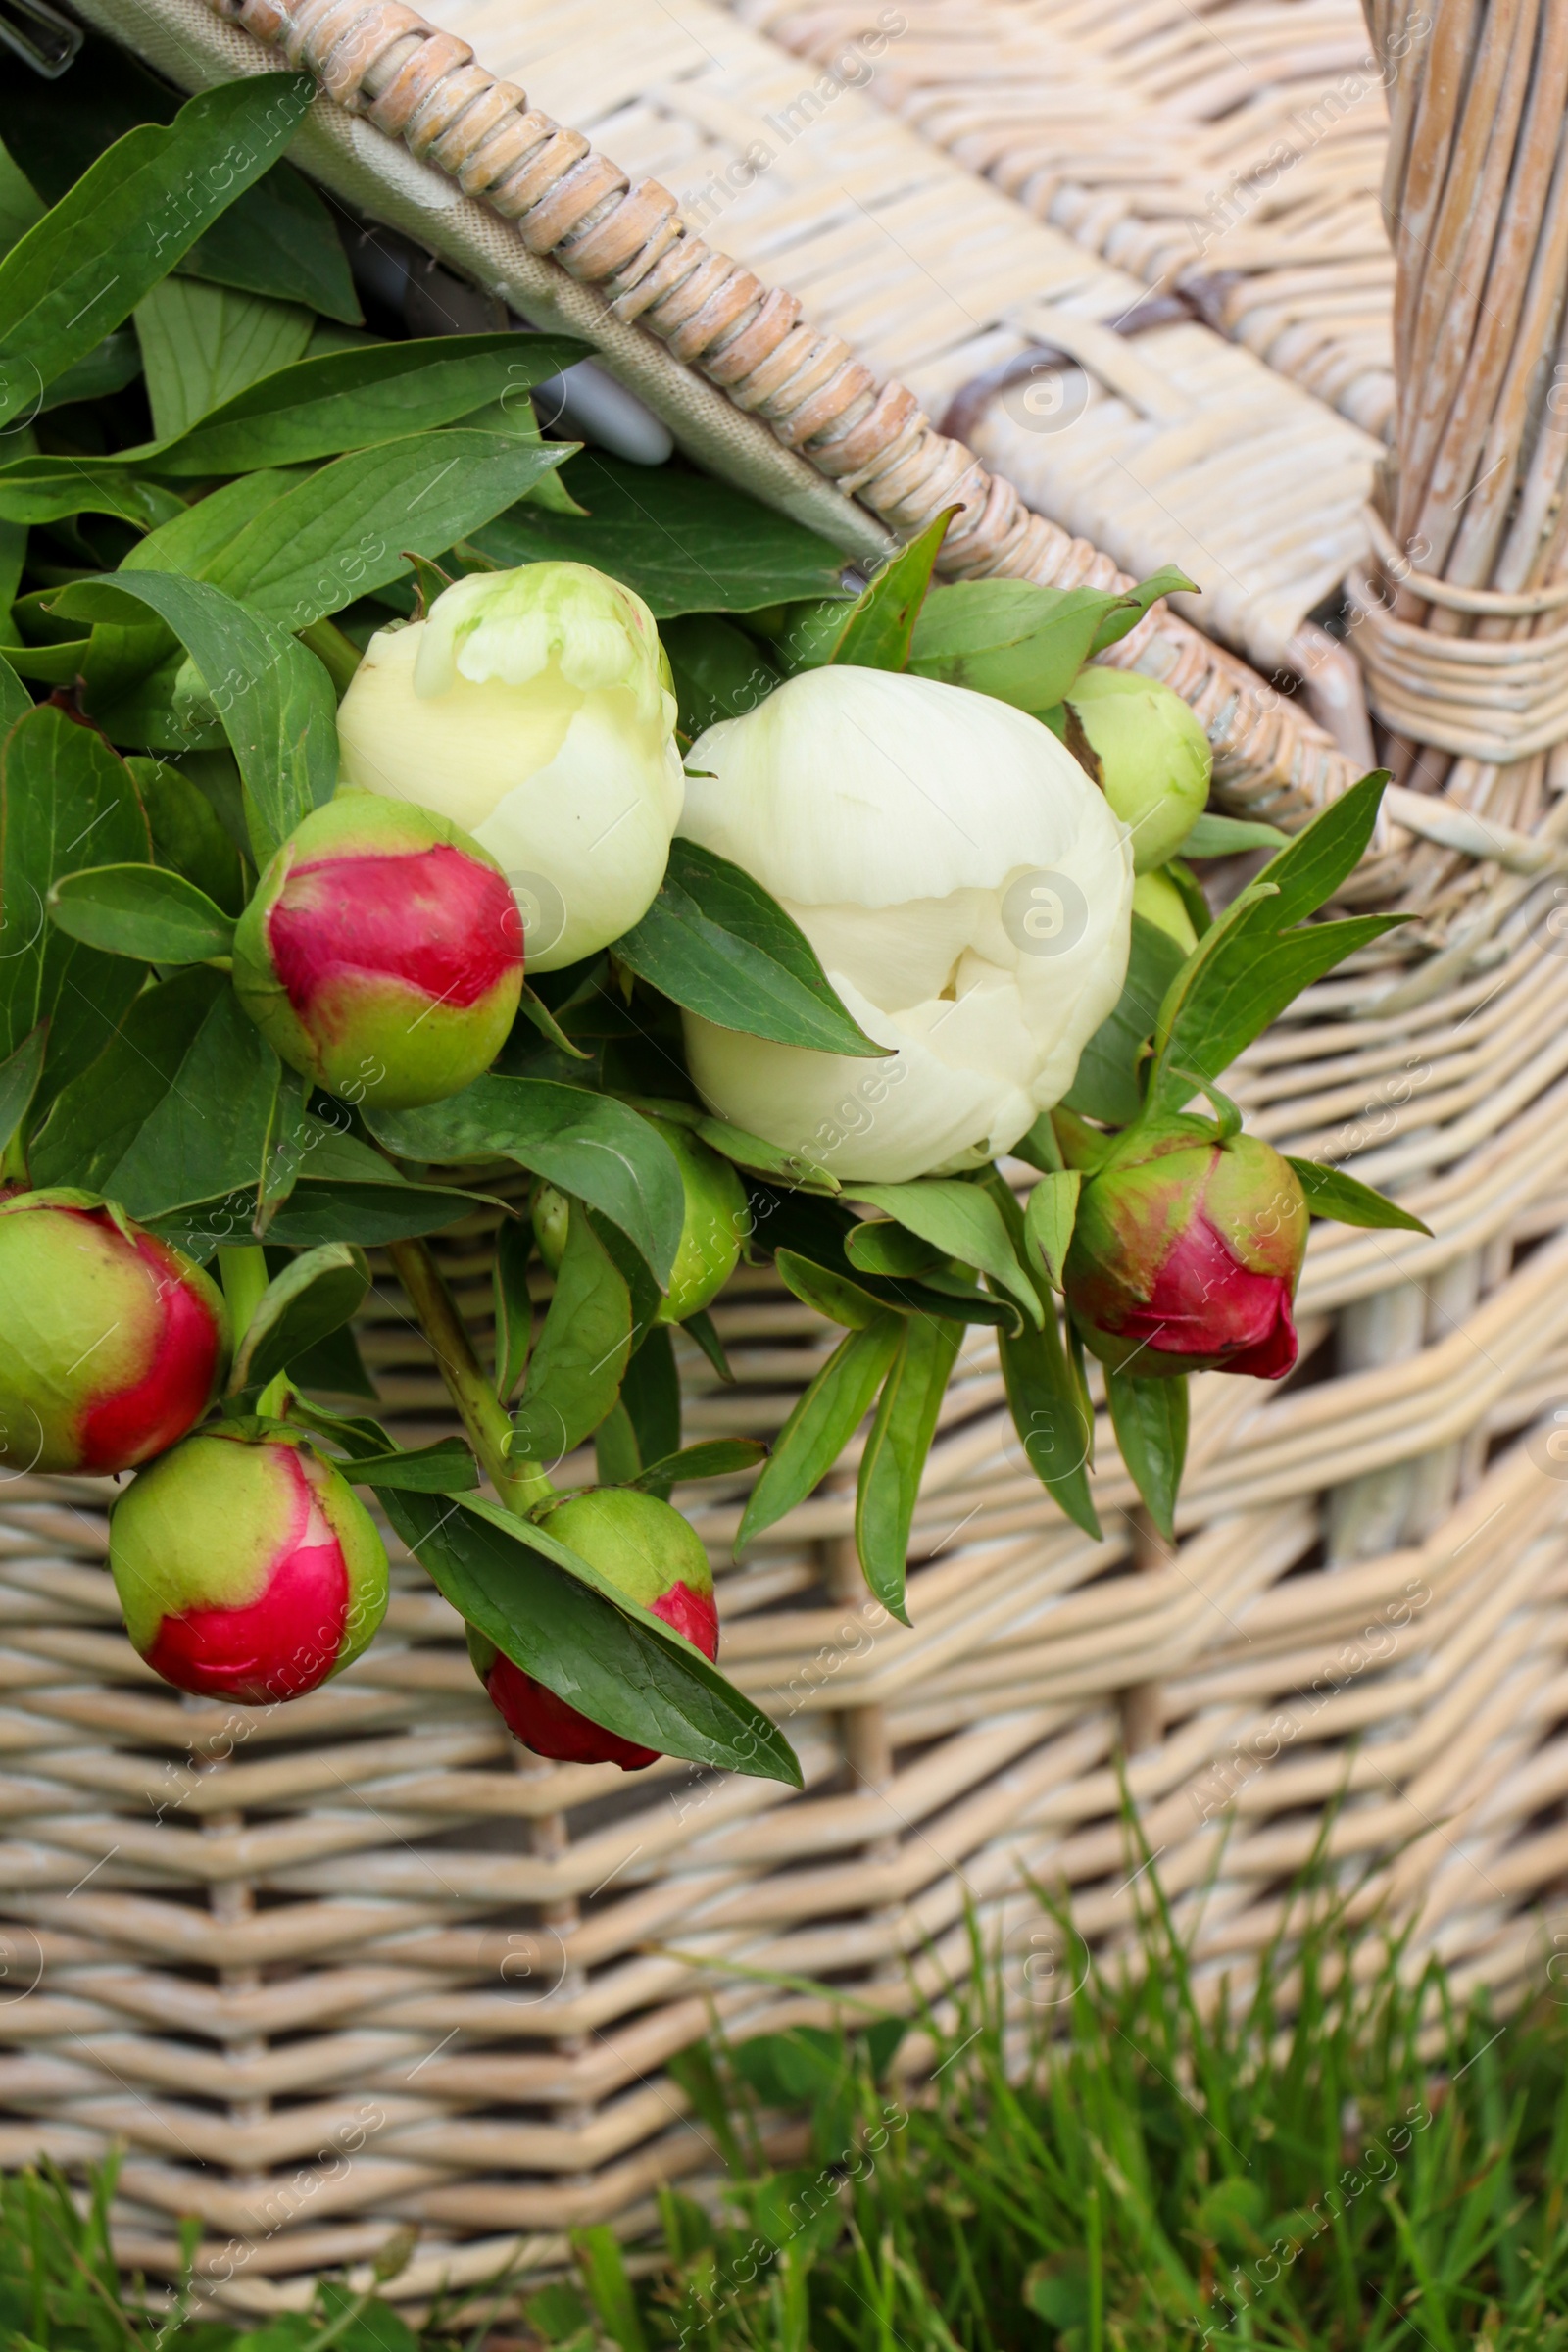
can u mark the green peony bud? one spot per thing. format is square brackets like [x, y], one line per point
[246, 1565]
[1186, 1257]
[1153, 754]
[718, 1220]
[382, 954]
[1157, 900]
[552, 1218]
[113, 1343]
[652, 1554]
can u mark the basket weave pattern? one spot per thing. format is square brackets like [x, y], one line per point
[362, 1960]
[371, 1902]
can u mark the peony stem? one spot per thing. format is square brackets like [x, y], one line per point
[519, 1484]
[337, 654]
[242, 1270]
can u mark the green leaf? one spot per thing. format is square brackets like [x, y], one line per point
[14, 700]
[1022, 642]
[369, 1213]
[200, 345]
[1048, 1416]
[962, 1221]
[140, 910]
[333, 1367]
[590, 1146]
[195, 537]
[1129, 608]
[275, 700]
[766, 1159]
[649, 1395]
[21, 205]
[715, 942]
[896, 1452]
[514, 1306]
[1106, 1083]
[1330, 1193]
[821, 1425]
[128, 220]
[277, 238]
[880, 1246]
[63, 794]
[574, 1376]
[1050, 1409]
[314, 1297]
[359, 398]
[188, 835]
[281, 240]
[717, 1457]
[683, 541]
[602, 2267]
[567, 1623]
[19, 1074]
[702, 1329]
[1050, 1215]
[108, 368]
[719, 671]
[349, 528]
[1245, 971]
[1214, 836]
[48, 489]
[880, 623]
[1150, 1418]
[816, 1266]
[445, 1468]
[176, 1109]
[829, 1293]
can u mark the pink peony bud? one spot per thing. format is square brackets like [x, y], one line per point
[246, 1565]
[113, 1343]
[1186, 1258]
[382, 953]
[655, 1558]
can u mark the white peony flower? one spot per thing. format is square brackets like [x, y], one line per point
[533, 708]
[967, 889]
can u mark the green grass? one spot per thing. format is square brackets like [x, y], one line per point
[1341, 2158]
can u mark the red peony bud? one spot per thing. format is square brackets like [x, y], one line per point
[1186, 1258]
[382, 954]
[655, 1558]
[246, 1566]
[113, 1343]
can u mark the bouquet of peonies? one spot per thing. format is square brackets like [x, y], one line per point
[364, 839]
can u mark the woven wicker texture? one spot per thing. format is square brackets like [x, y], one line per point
[1235, 153]
[362, 1960]
[933, 278]
[670, 295]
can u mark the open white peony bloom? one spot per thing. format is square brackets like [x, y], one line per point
[968, 891]
[533, 708]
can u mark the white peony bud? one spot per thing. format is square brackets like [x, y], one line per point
[533, 708]
[967, 889]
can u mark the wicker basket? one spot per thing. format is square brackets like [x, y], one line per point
[366, 1962]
